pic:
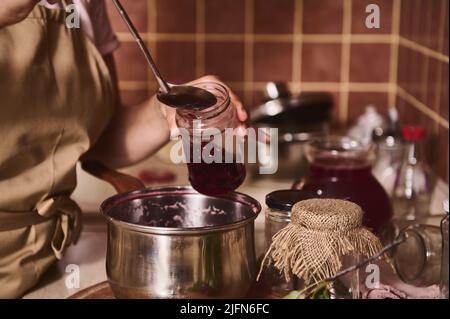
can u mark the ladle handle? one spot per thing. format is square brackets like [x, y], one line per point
[121, 182]
[163, 84]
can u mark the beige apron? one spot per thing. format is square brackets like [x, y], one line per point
[56, 97]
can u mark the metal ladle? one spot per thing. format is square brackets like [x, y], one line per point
[171, 95]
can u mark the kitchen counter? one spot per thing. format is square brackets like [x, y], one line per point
[88, 256]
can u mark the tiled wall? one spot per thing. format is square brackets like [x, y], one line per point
[315, 45]
[423, 64]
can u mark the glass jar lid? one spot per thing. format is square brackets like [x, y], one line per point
[285, 199]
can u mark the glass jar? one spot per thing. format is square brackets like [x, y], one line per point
[418, 260]
[340, 167]
[214, 166]
[278, 216]
[444, 264]
[389, 154]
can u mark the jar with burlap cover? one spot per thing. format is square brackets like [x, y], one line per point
[321, 232]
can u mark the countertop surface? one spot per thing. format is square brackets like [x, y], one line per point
[87, 257]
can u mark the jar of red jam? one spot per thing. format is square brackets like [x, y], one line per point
[213, 164]
[341, 168]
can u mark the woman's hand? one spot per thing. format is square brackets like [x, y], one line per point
[137, 132]
[14, 11]
[170, 112]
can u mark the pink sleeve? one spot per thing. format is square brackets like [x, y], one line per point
[105, 38]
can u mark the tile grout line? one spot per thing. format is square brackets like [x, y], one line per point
[248, 51]
[345, 61]
[422, 107]
[395, 46]
[275, 38]
[200, 38]
[424, 50]
[297, 42]
[385, 87]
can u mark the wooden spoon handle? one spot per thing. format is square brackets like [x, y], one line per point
[121, 182]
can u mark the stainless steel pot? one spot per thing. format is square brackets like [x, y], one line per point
[176, 243]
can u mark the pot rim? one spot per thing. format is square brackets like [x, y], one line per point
[152, 191]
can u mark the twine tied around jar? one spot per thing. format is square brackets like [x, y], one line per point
[320, 233]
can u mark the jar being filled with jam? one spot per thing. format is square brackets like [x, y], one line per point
[340, 167]
[210, 143]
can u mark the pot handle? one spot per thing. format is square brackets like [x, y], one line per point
[121, 182]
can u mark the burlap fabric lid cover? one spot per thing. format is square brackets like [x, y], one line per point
[320, 233]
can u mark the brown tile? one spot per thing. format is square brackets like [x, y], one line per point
[369, 62]
[321, 62]
[359, 16]
[272, 61]
[224, 16]
[137, 12]
[432, 79]
[405, 18]
[335, 111]
[416, 74]
[443, 158]
[435, 8]
[133, 97]
[176, 16]
[417, 20]
[274, 16]
[400, 105]
[445, 47]
[322, 16]
[402, 67]
[444, 107]
[430, 23]
[130, 62]
[410, 115]
[225, 60]
[177, 61]
[358, 101]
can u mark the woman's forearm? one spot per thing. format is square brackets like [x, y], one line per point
[133, 134]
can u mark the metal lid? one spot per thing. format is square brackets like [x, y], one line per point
[285, 199]
[281, 107]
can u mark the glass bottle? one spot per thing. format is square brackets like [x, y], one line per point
[412, 191]
[444, 264]
[389, 154]
[214, 168]
[340, 167]
[278, 215]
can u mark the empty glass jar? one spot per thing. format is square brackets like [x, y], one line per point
[278, 216]
[418, 260]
